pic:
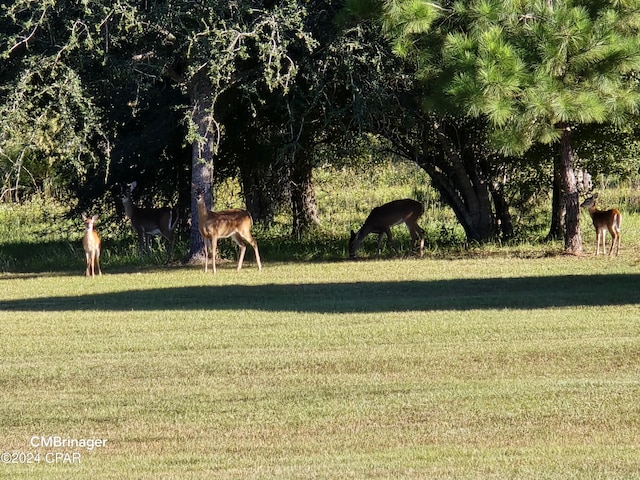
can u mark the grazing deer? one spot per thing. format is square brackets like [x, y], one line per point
[91, 244]
[604, 220]
[382, 218]
[149, 221]
[234, 223]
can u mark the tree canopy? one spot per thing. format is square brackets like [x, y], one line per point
[92, 93]
[534, 70]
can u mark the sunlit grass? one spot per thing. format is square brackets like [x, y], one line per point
[503, 360]
[478, 367]
[41, 236]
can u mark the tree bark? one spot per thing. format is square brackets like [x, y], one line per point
[569, 183]
[202, 152]
[558, 211]
[504, 223]
[303, 199]
[258, 197]
[457, 175]
[263, 184]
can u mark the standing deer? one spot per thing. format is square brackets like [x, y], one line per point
[149, 221]
[604, 220]
[382, 218]
[234, 223]
[91, 244]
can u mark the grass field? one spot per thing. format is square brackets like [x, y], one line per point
[475, 362]
[482, 366]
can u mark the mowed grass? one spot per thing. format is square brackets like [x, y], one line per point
[483, 367]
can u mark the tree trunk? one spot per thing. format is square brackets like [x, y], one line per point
[558, 210]
[202, 152]
[505, 225]
[303, 199]
[258, 199]
[262, 185]
[461, 183]
[573, 238]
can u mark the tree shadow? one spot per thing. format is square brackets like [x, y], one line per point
[369, 297]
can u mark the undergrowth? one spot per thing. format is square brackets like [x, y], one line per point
[42, 234]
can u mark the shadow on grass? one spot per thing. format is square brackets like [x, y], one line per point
[373, 297]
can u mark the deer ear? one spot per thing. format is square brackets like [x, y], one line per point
[133, 185]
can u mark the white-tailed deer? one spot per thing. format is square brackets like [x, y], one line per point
[234, 223]
[91, 244]
[148, 222]
[382, 218]
[604, 220]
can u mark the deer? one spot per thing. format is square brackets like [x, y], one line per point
[604, 220]
[234, 223]
[149, 222]
[382, 218]
[91, 244]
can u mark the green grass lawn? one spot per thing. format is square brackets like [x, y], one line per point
[487, 366]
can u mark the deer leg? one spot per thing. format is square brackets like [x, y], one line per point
[417, 233]
[142, 240]
[251, 241]
[97, 254]
[390, 241]
[618, 247]
[254, 244]
[167, 234]
[91, 263]
[380, 242]
[241, 246]
[421, 235]
[88, 262]
[214, 248]
[615, 236]
[206, 254]
[617, 227]
[170, 245]
[243, 250]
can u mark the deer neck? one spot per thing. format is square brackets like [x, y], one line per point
[359, 235]
[90, 239]
[128, 206]
[363, 232]
[202, 211]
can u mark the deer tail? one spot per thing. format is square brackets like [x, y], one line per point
[174, 213]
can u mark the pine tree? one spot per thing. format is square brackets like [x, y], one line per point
[534, 69]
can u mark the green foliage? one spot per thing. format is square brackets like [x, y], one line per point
[49, 130]
[529, 67]
[533, 71]
[52, 129]
[43, 235]
[610, 151]
[37, 236]
[93, 92]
